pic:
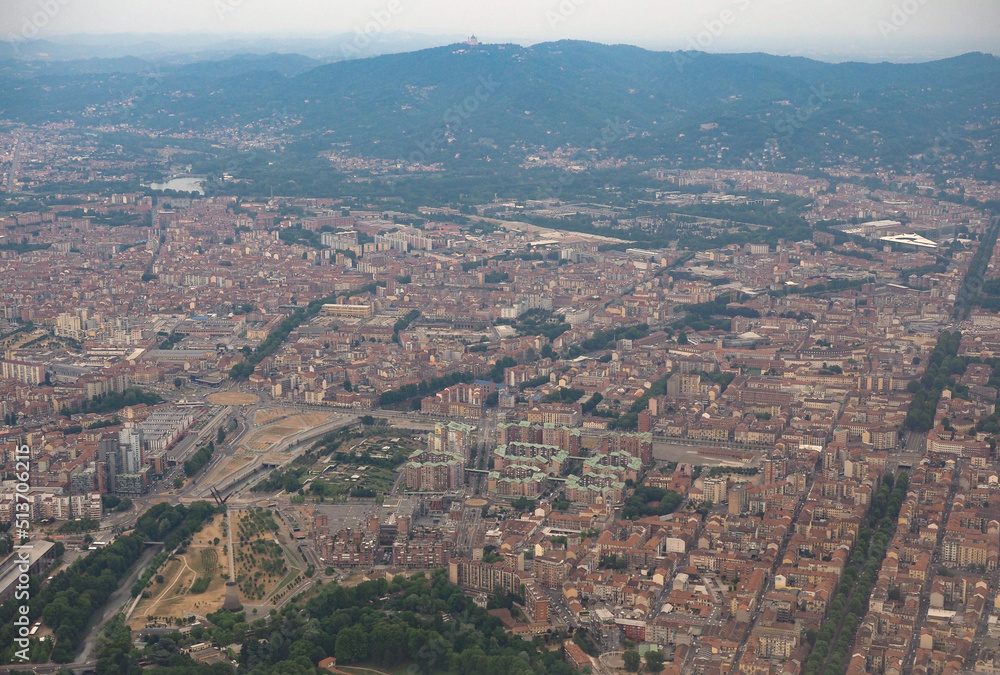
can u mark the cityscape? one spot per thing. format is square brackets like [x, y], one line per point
[335, 386]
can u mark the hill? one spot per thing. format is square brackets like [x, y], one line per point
[503, 103]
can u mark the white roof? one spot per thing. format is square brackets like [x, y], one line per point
[912, 239]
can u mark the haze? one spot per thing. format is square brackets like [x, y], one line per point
[830, 29]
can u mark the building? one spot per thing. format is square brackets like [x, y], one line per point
[29, 373]
[619, 466]
[404, 240]
[594, 489]
[548, 459]
[343, 240]
[565, 438]
[429, 471]
[487, 577]
[45, 503]
[454, 438]
[355, 311]
[714, 490]
[558, 414]
[132, 450]
[39, 557]
[536, 603]
[460, 400]
[163, 426]
[517, 480]
[639, 445]
[425, 549]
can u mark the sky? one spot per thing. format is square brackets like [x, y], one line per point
[834, 29]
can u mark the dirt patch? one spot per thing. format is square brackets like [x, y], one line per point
[262, 417]
[202, 560]
[232, 398]
[230, 466]
[310, 420]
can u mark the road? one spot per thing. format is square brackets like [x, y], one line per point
[15, 162]
[916, 442]
[484, 444]
[928, 580]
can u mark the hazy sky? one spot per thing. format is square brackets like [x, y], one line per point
[892, 29]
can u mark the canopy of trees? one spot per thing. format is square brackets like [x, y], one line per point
[67, 602]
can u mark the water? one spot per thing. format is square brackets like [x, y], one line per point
[181, 184]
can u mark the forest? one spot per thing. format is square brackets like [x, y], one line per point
[67, 603]
[422, 622]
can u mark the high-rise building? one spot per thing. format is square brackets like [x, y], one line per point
[130, 440]
[774, 469]
[739, 500]
[715, 490]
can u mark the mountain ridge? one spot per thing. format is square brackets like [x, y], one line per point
[430, 106]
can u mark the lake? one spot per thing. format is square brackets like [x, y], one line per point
[181, 184]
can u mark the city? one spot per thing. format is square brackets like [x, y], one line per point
[602, 412]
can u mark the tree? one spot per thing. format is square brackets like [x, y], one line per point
[292, 483]
[682, 339]
[654, 661]
[631, 658]
[221, 435]
[347, 386]
[351, 645]
[178, 483]
[178, 382]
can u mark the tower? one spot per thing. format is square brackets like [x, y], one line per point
[130, 440]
